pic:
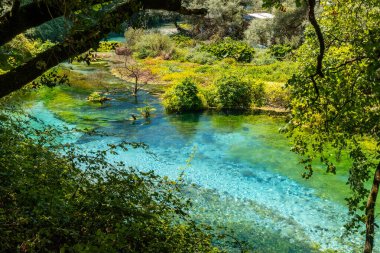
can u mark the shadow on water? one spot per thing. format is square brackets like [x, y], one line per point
[185, 124]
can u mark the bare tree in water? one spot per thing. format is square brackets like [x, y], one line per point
[131, 69]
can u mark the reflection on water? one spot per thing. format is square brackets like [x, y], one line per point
[245, 177]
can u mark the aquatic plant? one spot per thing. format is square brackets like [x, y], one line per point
[146, 111]
[97, 97]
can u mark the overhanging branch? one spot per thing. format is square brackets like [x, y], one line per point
[77, 43]
[28, 16]
[80, 41]
[321, 40]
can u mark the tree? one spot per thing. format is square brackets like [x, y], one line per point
[336, 102]
[135, 70]
[225, 18]
[286, 27]
[91, 20]
[183, 97]
[55, 197]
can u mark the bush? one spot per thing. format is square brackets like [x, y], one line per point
[132, 36]
[201, 57]
[210, 94]
[154, 44]
[233, 93]
[280, 51]
[276, 95]
[228, 48]
[183, 40]
[258, 94]
[146, 111]
[107, 46]
[54, 198]
[263, 57]
[183, 97]
[97, 97]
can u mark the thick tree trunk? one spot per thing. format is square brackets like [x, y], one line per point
[370, 212]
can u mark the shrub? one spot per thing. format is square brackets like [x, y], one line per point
[263, 57]
[183, 97]
[97, 97]
[154, 44]
[258, 93]
[210, 94]
[107, 46]
[146, 111]
[228, 48]
[233, 93]
[276, 95]
[201, 57]
[55, 198]
[280, 51]
[133, 35]
[183, 40]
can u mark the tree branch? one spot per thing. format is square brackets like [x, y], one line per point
[28, 16]
[321, 40]
[76, 43]
[18, 19]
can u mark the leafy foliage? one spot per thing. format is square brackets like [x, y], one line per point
[183, 97]
[225, 18]
[201, 57]
[286, 27]
[107, 46]
[56, 198]
[229, 48]
[97, 97]
[342, 107]
[233, 93]
[51, 79]
[132, 36]
[280, 51]
[183, 40]
[146, 111]
[21, 49]
[154, 44]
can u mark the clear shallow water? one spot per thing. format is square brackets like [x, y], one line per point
[267, 208]
[245, 177]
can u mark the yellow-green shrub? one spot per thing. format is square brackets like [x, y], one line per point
[154, 44]
[233, 93]
[276, 95]
[183, 97]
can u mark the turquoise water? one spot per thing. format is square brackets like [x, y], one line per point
[258, 197]
[244, 177]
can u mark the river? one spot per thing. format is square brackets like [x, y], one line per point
[241, 169]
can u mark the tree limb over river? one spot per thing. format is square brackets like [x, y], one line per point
[81, 37]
